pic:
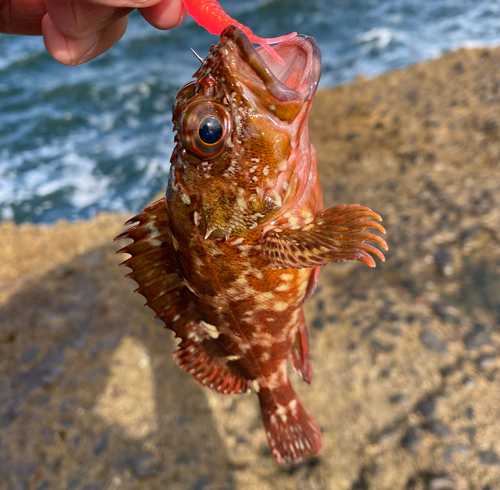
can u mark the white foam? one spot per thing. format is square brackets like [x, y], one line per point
[379, 37]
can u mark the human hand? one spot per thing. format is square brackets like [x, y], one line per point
[76, 31]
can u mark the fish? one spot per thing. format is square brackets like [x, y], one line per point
[228, 256]
[210, 15]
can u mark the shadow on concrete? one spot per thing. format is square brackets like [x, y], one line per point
[89, 397]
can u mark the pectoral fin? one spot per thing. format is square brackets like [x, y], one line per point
[336, 235]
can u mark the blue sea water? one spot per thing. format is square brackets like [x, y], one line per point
[76, 140]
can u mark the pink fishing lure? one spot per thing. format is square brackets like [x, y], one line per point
[210, 15]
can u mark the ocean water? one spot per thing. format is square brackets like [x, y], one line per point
[76, 140]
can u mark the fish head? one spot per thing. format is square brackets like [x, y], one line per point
[242, 132]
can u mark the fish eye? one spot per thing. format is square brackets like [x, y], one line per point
[205, 128]
[210, 130]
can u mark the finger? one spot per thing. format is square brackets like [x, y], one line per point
[70, 51]
[80, 20]
[22, 16]
[134, 4]
[166, 14]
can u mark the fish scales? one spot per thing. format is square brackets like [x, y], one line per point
[228, 257]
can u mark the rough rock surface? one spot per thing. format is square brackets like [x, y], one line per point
[406, 356]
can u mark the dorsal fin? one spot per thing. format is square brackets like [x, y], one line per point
[154, 268]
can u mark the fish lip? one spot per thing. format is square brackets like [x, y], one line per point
[310, 69]
[272, 74]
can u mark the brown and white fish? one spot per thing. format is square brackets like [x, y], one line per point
[227, 258]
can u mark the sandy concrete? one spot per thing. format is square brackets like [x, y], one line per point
[406, 356]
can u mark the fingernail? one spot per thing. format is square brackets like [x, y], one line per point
[181, 19]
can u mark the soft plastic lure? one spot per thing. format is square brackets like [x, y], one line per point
[210, 15]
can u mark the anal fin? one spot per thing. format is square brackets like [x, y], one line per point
[313, 282]
[336, 235]
[202, 359]
[299, 353]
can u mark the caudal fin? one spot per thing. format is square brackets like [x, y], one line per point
[291, 432]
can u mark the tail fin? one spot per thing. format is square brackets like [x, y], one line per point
[291, 432]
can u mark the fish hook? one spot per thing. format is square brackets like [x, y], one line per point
[197, 55]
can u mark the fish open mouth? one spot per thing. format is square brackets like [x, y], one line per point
[303, 64]
[288, 86]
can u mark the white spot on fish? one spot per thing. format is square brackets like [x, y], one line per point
[256, 273]
[265, 356]
[211, 329]
[267, 296]
[306, 214]
[264, 340]
[242, 280]
[280, 306]
[282, 411]
[153, 231]
[295, 316]
[293, 223]
[277, 378]
[244, 346]
[194, 335]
